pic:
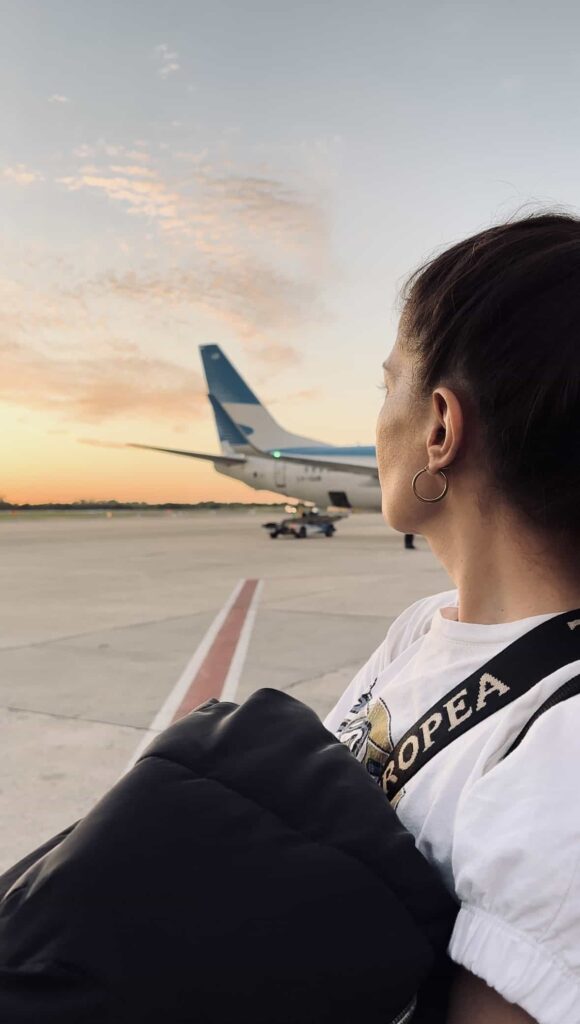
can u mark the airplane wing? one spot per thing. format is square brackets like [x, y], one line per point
[225, 460]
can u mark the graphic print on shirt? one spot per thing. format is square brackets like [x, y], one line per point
[367, 734]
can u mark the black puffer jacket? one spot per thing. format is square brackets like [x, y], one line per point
[247, 869]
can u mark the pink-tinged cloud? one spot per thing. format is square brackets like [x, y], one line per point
[267, 203]
[212, 210]
[149, 197]
[250, 251]
[256, 253]
[137, 154]
[56, 356]
[21, 175]
[254, 300]
[133, 170]
[91, 389]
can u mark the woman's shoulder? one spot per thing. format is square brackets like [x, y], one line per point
[415, 621]
[411, 624]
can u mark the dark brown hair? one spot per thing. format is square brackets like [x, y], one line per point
[499, 315]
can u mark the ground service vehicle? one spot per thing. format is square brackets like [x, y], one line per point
[301, 526]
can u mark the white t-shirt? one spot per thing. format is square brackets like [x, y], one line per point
[505, 834]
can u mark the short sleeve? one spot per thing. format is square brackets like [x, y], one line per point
[515, 861]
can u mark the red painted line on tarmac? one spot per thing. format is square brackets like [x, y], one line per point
[210, 677]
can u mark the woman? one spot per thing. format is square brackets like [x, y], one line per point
[478, 445]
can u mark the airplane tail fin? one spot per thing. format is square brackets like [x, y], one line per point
[245, 412]
[223, 380]
[230, 435]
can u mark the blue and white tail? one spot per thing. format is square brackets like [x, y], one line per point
[231, 437]
[246, 418]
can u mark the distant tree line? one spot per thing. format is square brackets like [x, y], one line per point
[120, 506]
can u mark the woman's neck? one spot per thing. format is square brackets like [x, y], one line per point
[503, 571]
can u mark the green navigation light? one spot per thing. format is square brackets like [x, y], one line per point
[277, 455]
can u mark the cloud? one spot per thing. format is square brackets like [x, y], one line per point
[57, 356]
[102, 148]
[133, 170]
[58, 98]
[269, 207]
[21, 175]
[138, 154]
[250, 250]
[255, 300]
[146, 195]
[168, 61]
[212, 210]
[93, 388]
[95, 443]
[307, 395]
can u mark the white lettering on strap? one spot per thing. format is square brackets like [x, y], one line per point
[455, 705]
[389, 775]
[488, 684]
[413, 743]
[428, 727]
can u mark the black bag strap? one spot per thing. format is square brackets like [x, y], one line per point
[571, 688]
[508, 675]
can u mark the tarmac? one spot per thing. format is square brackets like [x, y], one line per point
[100, 617]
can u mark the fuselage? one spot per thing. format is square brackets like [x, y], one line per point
[308, 483]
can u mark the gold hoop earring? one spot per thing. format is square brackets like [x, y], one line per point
[420, 496]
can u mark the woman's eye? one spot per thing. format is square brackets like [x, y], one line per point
[383, 387]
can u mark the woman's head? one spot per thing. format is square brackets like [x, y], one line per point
[484, 380]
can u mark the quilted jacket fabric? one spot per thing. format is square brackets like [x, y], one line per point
[246, 869]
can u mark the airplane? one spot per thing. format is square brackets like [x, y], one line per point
[258, 451]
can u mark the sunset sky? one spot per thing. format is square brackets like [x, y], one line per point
[261, 175]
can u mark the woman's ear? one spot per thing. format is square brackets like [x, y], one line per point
[446, 429]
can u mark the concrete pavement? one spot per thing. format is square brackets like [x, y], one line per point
[100, 615]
